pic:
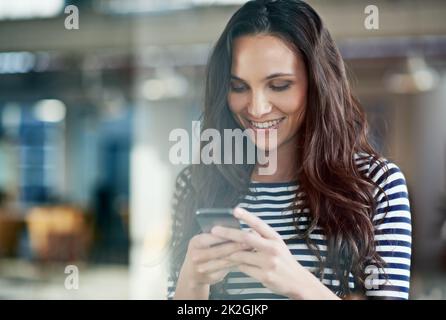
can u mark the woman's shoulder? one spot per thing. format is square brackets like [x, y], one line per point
[184, 177]
[380, 169]
[183, 183]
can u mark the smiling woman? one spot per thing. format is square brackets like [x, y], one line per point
[333, 221]
[276, 101]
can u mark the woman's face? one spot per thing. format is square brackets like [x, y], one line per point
[268, 88]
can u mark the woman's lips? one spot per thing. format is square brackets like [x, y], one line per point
[265, 125]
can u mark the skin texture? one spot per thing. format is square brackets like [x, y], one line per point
[255, 97]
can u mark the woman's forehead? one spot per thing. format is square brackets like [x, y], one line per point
[263, 54]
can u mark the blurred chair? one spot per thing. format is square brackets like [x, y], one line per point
[59, 233]
[11, 226]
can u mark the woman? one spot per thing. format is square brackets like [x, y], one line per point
[333, 221]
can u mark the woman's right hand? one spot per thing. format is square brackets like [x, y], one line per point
[205, 262]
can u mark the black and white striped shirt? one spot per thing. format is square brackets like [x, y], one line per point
[270, 202]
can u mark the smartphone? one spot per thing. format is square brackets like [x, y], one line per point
[209, 217]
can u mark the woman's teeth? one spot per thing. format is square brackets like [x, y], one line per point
[266, 124]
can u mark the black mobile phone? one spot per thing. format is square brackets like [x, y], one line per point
[209, 217]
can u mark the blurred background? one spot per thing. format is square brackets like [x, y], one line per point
[85, 116]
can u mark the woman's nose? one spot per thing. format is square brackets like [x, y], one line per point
[259, 106]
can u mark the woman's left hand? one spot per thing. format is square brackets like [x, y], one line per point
[271, 262]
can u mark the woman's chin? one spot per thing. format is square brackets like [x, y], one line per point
[264, 143]
[265, 147]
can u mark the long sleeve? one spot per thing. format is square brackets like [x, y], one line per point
[393, 235]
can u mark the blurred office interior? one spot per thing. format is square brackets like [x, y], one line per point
[85, 116]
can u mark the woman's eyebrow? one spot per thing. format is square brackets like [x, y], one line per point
[271, 76]
[278, 74]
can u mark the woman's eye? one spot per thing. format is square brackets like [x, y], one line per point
[280, 88]
[237, 88]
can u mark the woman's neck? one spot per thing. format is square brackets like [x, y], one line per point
[286, 165]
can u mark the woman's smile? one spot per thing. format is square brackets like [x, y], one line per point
[265, 125]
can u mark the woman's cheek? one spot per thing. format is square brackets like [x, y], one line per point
[235, 104]
[290, 103]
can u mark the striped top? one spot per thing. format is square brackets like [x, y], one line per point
[270, 201]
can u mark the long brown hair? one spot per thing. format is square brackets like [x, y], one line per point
[334, 129]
